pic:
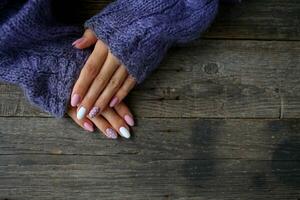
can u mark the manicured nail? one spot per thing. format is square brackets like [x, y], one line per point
[124, 132]
[87, 126]
[129, 120]
[94, 112]
[78, 41]
[110, 133]
[81, 113]
[113, 102]
[75, 100]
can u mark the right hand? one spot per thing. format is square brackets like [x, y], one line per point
[111, 122]
[103, 81]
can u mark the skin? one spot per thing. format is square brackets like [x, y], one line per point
[112, 118]
[103, 82]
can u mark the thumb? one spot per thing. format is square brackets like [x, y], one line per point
[88, 39]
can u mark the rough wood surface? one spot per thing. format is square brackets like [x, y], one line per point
[171, 159]
[210, 78]
[263, 19]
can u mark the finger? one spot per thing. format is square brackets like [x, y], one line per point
[117, 122]
[89, 72]
[112, 87]
[125, 113]
[103, 125]
[124, 90]
[99, 83]
[88, 39]
[86, 123]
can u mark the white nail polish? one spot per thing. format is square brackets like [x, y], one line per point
[124, 132]
[81, 113]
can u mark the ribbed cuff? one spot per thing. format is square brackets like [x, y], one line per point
[139, 33]
[138, 47]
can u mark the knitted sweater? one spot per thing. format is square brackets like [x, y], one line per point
[36, 51]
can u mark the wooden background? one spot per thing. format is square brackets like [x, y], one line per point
[220, 119]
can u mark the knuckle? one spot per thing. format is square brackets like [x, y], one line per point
[100, 79]
[114, 83]
[101, 47]
[91, 69]
[101, 103]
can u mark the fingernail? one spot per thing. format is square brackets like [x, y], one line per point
[87, 126]
[124, 132]
[113, 102]
[129, 120]
[81, 113]
[78, 41]
[110, 133]
[94, 112]
[75, 100]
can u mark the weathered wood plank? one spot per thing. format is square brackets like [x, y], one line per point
[14, 102]
[167, 159]
[78, 177]
[264, 19]
[153, 137]
[231, 79]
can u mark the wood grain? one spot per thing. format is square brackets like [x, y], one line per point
[263, 20]
[167, 159]
[211, 78]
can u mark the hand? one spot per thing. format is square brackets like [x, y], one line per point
[102, 81]
[111, 122]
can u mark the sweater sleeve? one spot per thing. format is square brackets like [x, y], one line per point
[36, 54]
[139, 32]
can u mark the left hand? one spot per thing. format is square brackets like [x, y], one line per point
[103, 80]
[111, 122]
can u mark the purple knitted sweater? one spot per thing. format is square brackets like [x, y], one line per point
[36, 51]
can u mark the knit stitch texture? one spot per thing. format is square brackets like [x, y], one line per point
[139, 32]
[36, 51]
[36, 54]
